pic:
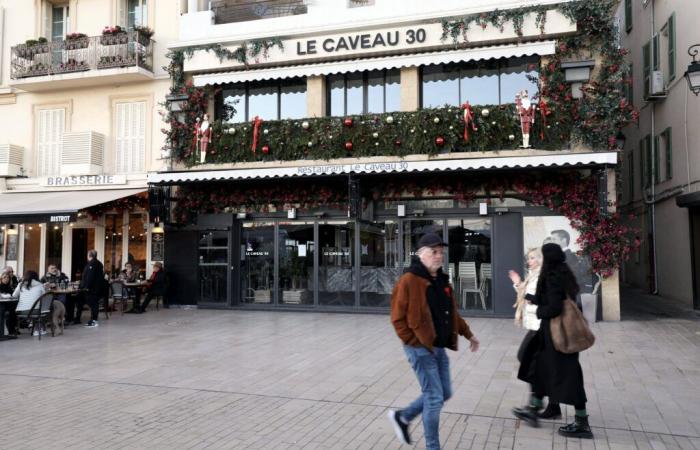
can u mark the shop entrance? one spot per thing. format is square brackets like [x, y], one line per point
[83, 241]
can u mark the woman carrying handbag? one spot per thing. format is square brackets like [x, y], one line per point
[551, 372]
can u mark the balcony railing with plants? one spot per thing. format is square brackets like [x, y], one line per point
[231, 11]
[78, 53]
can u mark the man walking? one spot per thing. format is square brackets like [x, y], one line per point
[424, 314]
[92, 281]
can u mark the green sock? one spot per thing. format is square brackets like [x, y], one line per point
[536, 402]
[581, 412]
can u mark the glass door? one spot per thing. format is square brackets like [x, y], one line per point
[413, 230]
[336, 279]
[213, 267]
[59, 28]
[296, 263]
[380, 266]
[257, 262]
[470, 262]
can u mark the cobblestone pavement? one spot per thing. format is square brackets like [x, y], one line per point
[179, 379]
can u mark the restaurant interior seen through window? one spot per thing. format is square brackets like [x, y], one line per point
[32, 247]
[269, 100]
[484, 82]
[376, 91]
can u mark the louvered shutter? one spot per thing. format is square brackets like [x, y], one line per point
[131, 137]
[50, 126]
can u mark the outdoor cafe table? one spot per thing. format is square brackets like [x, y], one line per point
[4, 299]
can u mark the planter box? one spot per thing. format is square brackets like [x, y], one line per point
[114, 39]
[76, 44]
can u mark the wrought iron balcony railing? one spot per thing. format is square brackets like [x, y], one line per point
[230, 11]
[128, 49]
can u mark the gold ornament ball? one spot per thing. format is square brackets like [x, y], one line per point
[266, 131]
[305, 125]
[493, 122]
[310, 144]
[511, 137]
[390, 119]
[375, 135]
[485, 112]
[436, 120]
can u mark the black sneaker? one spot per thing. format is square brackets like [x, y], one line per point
[92, 324]
[400, 428]
[578, 429]
[551, 412]
[528, 414]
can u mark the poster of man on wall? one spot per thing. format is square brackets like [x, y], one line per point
[541, 230]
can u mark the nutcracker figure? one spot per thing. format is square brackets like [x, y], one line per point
[202, 137]
[526, 111]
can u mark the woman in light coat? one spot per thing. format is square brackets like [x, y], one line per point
[526, 313]
[28, 291]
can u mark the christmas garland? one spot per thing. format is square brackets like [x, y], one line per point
[456, 27]
[131, 203]
[602, 237]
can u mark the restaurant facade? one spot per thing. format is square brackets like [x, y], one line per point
[341, 133]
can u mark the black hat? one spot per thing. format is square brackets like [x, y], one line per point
[431, 240]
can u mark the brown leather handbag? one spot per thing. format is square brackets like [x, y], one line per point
[570, 331]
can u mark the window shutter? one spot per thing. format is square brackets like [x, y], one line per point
[130, 137]
[646, 61]
[657, 159]
[628, 15]
[669, 154]
[49, 131]
[47, 17]
[642, 172]
[647, 161]
[656, 55]
[671, 29]
[630, 181]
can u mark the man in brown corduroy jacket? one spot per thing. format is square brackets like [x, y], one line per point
[424, 314]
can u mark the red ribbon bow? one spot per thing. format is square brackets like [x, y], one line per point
[257, 123]
[468, 117]
[544, 112]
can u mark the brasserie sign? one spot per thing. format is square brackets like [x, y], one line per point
[84, 180]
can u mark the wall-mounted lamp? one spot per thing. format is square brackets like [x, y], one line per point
[241, 215]
[401, 210]
[292, 213]
[12, 229]
[577, 73]
[483, 209]
[177, 104]
[692, 75]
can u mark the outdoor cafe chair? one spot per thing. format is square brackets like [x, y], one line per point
[119, 293]
[39, 313]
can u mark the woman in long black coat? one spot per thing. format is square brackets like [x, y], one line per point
[552, 373]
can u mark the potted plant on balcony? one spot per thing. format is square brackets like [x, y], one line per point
[32, 47]
[143, 35]
[75, 41]
[73, 65]
[114, 35]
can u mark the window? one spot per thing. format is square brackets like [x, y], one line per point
[375, 91]
[133, 13]
[60, 21]
[646, 58]
[50, 124]
[628, 15]
[657, 160]
[646, 161]
[54, 244]
[489, 82]
[642, 168]
[667, 147]
[270, 100]
[630, 177]
[32, 247]
[671, 46]
[130, 137]
[629, 85]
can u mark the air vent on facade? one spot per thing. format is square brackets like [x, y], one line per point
[10, 160]
[82, 153]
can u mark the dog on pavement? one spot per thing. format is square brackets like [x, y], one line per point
[57, 316]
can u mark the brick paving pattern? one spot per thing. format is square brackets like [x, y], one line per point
[178, 379]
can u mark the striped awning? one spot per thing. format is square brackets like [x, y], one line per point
[385, 165]
[386, 62]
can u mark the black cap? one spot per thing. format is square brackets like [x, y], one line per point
[431, 240]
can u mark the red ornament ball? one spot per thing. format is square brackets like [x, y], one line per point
[347, 122]
[397, 143]
[348, 146]
[266, 149]
[439, 141]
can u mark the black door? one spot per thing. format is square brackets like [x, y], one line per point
[507, 254]
[181, 267]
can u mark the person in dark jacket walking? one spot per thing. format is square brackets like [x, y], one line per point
[424, 314]
[551, 373]
[92, 281]
[156, 286]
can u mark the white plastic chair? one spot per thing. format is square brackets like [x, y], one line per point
[468, 281]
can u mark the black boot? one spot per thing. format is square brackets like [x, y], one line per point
[551, 412]
[528, 414]
[578, 429]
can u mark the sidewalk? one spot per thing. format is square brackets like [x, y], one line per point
[179, 379]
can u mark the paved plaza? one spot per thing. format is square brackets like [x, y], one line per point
[194, 379]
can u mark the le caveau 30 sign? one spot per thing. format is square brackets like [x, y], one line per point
[362, 41]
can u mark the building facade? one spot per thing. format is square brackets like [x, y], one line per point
[338, 132]
[661, 159]
[80, 86]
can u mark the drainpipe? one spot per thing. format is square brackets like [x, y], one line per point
[652, 202]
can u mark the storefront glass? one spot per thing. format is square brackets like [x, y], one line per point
[469, 262]
[114, 225]
[296, 263]
[213, 266]
[257, 262]
[413, 230]
[336, 270]
[83, 241]
[54, 245]
[380, 266]
[32, 247]
[136, 253]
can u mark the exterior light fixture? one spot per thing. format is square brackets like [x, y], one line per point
[177, 104]
[692, 75]
[11, 229]
[157, 228]
[577, 73]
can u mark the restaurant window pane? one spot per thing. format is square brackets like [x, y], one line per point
[114, 225]
[469, 263]
[336, 280]
[262, 102]
[413, 230]
[136, 254]
[293, 100]
[479, 83]
[32, 247]
[54, 245]
[354, 93]
[336, 87]
[257, 262]
[234, 98]
[380, 267]
[375, 91]
[515, 77]
[83, 241]
[392, 92]
[213, 267]
[440, 86]
[296, 260]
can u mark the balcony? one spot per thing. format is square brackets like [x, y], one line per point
[89, 61]
[232, 11]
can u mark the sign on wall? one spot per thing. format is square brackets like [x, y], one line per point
[84, 180]
[157, 247]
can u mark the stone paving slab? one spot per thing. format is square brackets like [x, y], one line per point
[205, 379]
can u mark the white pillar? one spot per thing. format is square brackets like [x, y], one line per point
[611, 285]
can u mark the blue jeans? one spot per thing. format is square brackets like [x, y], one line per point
[433, 373]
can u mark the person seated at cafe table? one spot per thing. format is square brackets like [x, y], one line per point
[6, 290]
[29, 291]
[54, 276]
[11, 273]
[129, 275]
[156, 287]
